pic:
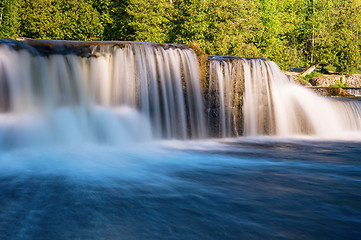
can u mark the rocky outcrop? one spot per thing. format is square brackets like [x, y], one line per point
[353, 81]
[331, 91]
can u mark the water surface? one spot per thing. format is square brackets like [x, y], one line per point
[246, 188]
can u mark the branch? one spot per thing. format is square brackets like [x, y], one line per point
[308, 71]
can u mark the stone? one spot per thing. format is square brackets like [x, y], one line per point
[331, 92]
[353, 81]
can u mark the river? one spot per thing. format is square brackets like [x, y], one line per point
[243, 188]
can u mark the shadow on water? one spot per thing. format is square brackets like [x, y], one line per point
[242, 189]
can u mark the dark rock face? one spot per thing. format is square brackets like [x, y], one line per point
[229, 121]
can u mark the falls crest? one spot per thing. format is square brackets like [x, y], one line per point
[136, 91]
[274, 105]
[64, 92]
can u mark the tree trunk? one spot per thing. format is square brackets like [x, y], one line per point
[308, 71]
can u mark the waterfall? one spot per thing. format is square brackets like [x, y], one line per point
[274, 105]
[353, 91]
[67, 92]
[115, 94]
[225, 98]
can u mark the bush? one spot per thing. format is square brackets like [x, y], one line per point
[340, 84]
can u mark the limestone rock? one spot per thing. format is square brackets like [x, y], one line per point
[353, 81]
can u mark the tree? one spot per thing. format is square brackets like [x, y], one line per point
[114, 18]
[346, 38]
[191, 23]
[8, 19]
[289, 32]
[321, 37]
[222, 27]
[268, 35]
[150, 20]
[61, 19]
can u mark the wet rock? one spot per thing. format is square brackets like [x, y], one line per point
[47, 47]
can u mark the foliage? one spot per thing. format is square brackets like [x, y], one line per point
[340, 84]
[150, 20]
[289, 32]
[9, 24]
[114, 19]
[220, 27]
[61, 19]
[313, 74]
[347, 41]
[306, 79]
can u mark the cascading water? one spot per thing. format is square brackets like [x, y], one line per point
[116, 94]
[78, 158]
[138, 91]
[354, 91]
[225, 98]
[273, 105]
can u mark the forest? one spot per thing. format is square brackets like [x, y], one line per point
[293, 33]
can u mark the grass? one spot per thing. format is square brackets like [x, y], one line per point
[313, 74]
[328, 69]
[340, 84]
[358, 71]
[308, 77]
[323, 69]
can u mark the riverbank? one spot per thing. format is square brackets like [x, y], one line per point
[319, 79]
[329, 84]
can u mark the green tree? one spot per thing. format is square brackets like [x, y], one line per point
[114, 18]
[291, 17]
[222, 27]
[321, 37]
[9, 23]
[150, 20]
[346, 38]
[289, 32]
[191, 23]
[61, 19]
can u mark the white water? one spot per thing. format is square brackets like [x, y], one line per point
[141, 92]
[354, 91]
[90, 183]
[225, 83]
[273, 105]
[135, 93]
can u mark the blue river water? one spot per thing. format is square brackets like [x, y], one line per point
[244, 188]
